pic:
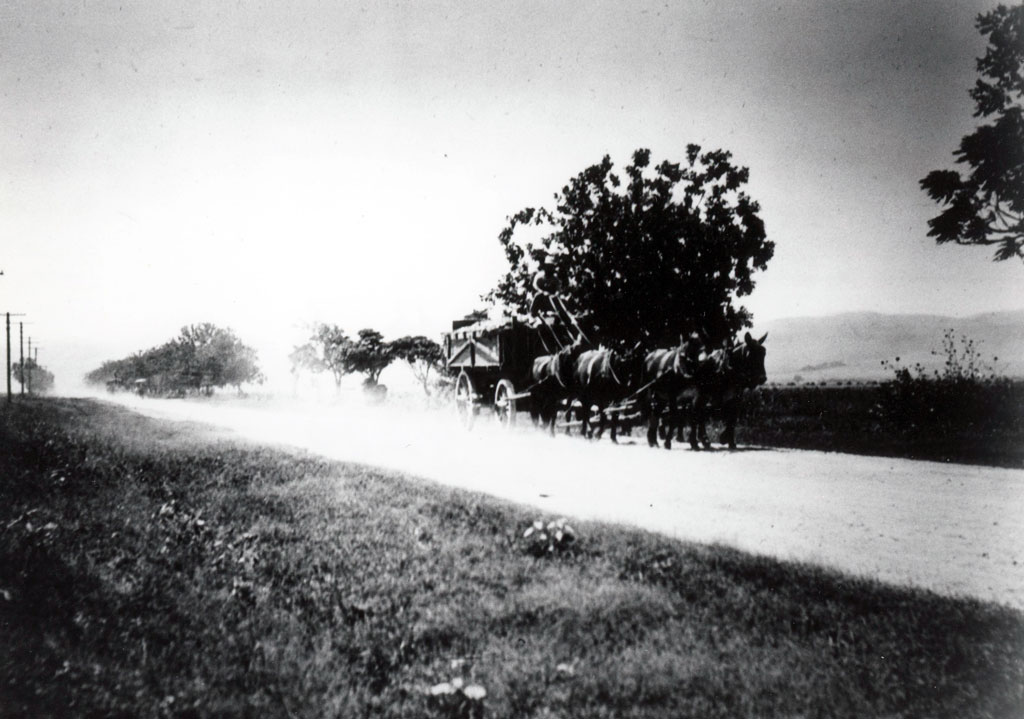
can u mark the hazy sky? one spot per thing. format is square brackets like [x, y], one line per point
[265, 164]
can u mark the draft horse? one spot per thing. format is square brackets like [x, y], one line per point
[719, 383]
[603, 378]
[552, 376]
[669, 375]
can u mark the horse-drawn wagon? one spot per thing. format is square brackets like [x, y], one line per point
[549, 364]
[491, 363]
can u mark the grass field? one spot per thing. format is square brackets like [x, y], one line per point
[149, 569]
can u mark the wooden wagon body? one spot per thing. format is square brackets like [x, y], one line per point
[491, 364]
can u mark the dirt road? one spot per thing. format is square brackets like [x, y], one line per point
[954, 529]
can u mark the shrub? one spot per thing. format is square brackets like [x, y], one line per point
[457, 700]
[543, 540]
[966, 394]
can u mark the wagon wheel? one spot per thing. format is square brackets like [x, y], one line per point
[465, 400]
[505, 403]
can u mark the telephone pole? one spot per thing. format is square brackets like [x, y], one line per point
[35, 363]
[8, 316]
[21, 356]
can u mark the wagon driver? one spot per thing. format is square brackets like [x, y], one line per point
[545, 302]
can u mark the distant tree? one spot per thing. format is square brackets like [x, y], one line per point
[33, 376]
[240, 366]
[986, 206]
[423, 356]
[305, 357]
[370, 355]
[42, 379]
[328, 349]
[646, 258]
[111, 371]
[209, 356]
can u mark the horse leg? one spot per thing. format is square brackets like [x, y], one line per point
[702, 429]
[601, 421]
[730, 412]
[615, 427]
[550, 415]
[695, 422]
[670, 419]
[652, 421]
[583, 417]
[681, 419]
[702, 425]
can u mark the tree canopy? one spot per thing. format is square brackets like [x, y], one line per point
[328, 348]
[32, 376]
[202, 357]
[646, 256]
[985, 206]
[423, 356]
[370, 354]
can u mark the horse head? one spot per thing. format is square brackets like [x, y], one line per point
[747, 360]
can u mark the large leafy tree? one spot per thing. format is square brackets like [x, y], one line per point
[423, 356]
[646, 256]
[985, 206]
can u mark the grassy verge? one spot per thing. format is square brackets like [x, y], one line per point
[864, 420]
[147, 569]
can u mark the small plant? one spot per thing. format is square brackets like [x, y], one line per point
[961, 395]
[543, 540]
[457, 700]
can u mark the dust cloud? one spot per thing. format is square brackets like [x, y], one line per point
[954, 529]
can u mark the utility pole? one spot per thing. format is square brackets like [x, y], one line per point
[30, 362]
[8, 358]
[21, 355]
[35, 357]
[8, 316]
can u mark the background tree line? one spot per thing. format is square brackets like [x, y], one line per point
[32, 376]
[330, 349]
[198, 360]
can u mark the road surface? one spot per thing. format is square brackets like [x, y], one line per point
[954, 529]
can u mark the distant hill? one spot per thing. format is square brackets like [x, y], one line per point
[853, 345]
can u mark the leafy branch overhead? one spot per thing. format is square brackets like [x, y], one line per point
[648, 254]
[985, 206]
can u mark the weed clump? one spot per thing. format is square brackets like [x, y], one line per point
[456, 699]
[548, 539]
[965, 396]
[964, 411]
